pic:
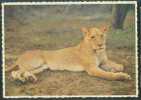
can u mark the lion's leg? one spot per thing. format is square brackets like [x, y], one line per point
[27, 75]
[31, 74]
[36, 71]
[95, 71]
[112, 66]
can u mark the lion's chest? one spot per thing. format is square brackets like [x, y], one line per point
[99, 58]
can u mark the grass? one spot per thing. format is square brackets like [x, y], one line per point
[57, 33]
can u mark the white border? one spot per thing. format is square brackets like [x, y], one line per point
[3, 50]
[69, 3]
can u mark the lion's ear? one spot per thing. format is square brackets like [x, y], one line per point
[104, 29]
[85, 30]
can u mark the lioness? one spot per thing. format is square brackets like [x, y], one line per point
[89, 55]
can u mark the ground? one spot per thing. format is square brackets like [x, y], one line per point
[59, 34]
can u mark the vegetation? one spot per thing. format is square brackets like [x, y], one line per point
[46, 28]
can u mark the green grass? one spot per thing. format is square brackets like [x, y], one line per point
[122, 39]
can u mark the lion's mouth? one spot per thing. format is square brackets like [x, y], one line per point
[101, 48]
[98, 49]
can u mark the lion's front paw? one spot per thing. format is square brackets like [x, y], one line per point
[123, 76]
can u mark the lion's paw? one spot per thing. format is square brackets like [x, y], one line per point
[17, 75]
[123, 76]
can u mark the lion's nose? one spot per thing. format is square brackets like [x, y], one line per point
[99, 45]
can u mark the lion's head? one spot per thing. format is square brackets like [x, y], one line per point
[96, 37]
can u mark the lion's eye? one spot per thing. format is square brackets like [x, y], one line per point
[92, 37]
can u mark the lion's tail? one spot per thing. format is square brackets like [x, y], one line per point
[8, 69]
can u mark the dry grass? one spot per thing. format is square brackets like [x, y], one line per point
[50, 34]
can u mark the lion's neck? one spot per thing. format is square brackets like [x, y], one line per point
[85, 47]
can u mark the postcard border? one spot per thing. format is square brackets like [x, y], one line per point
[66, 3]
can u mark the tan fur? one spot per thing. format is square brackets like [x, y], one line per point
[89, 55]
